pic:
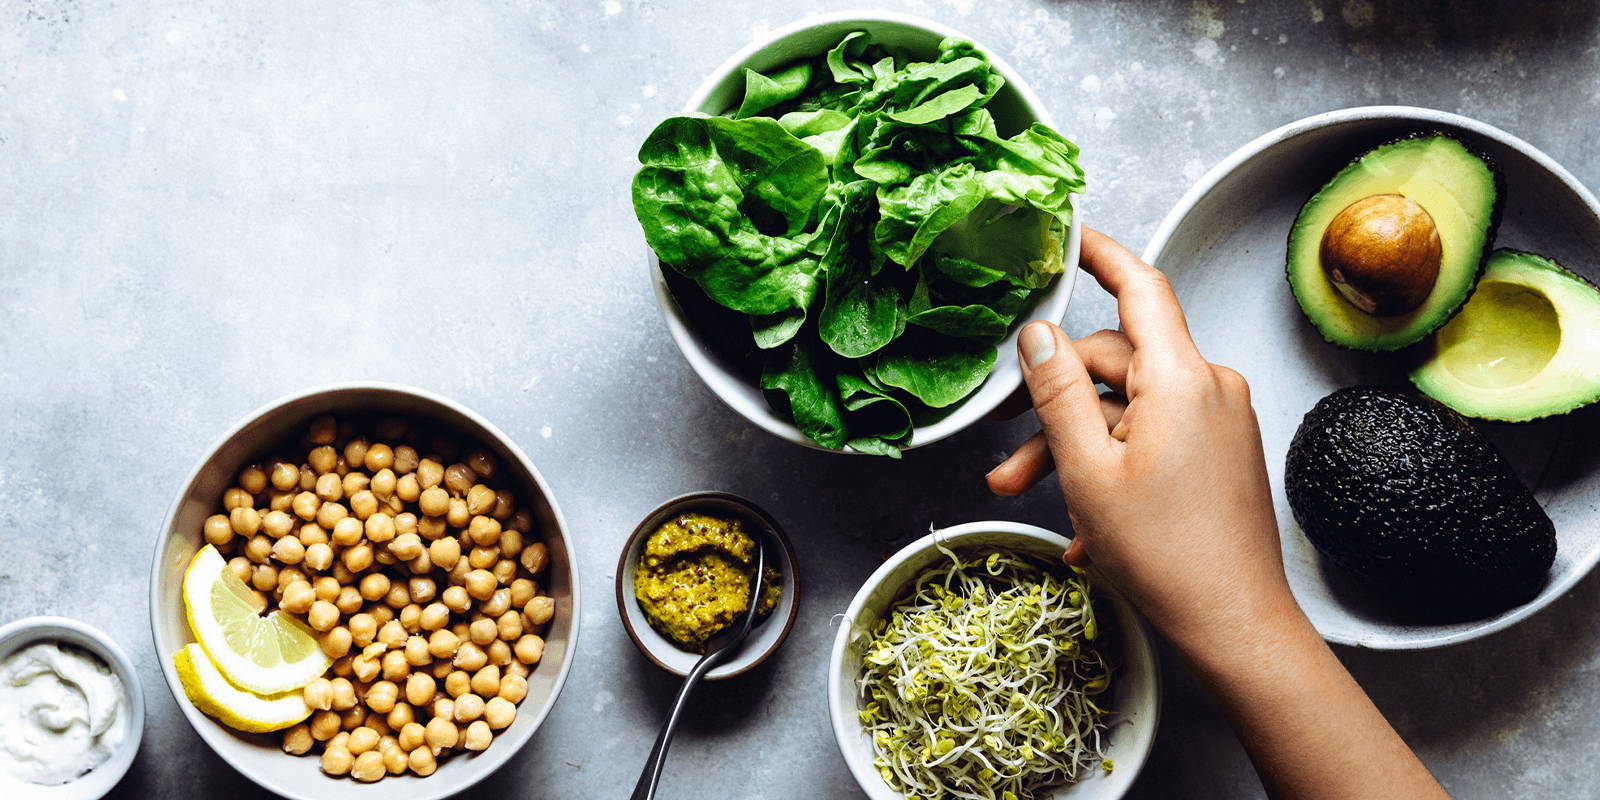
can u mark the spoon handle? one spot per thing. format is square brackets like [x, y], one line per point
[657, 761]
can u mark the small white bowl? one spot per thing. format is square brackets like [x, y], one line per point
[99, 781]
[769, 631]
[1014, 107]
[1135, 697]
[259, 757]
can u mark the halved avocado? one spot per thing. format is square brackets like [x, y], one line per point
[1527, 345]
[1389, 249]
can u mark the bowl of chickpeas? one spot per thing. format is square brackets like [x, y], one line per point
[428, 557]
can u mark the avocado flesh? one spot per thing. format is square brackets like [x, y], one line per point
[1406, 494]
[1527, 345]
[1457, 188]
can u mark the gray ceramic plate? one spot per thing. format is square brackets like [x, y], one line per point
[1223, 248]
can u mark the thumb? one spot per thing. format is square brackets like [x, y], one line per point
[1064, 399]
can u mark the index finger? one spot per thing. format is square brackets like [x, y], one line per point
[1148, 308]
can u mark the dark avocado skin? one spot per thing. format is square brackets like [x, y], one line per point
[1405, 493]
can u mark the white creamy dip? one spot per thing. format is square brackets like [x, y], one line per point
[61, 713]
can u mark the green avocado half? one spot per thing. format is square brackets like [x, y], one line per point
[1461, 192]
[1527, 345]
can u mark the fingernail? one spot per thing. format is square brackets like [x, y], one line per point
[1038, 344]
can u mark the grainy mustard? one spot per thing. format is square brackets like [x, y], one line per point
[693, 578]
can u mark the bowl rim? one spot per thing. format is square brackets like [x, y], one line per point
[105, 776]
[1197, 193]
[841, 707]
[210, 731]
[636, 540]
[964, 413]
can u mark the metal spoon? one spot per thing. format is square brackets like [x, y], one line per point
[719, 648]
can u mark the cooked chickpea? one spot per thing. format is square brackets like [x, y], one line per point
[422, 761]
[374, 586]
[405, 547]
[481, 631]
[361, 740]
[410, 736]
[480, 499]
[486, 681]
[480, 584]
[516, 668]
[434, 502]
[336, 761]
[318, 694]
[368, 767]
[504, 505]
[326, 587]
[380, 526]
[297, 740]
[306, 505]
[329, 514]
[402, 715]
[399, 596]
[513, 687]
[444, 552]
[279, 501]
[416, 651]
[308, 479]
[420, 689]
[258, 549]
[510, 543]
[440, 734]
[344, 694]
[322, 429]
[355, 451]
[411, 618]
[529, 649]
[383, 484]
[353, 482]
[393, 635]
[329, 487]
[348, 601]
[319, 556]
[458, 478]
[395, 667]
[365, 667]
[363, 628]
[499, 712]
[241, 568]
[395, 760]
[378, 457]
[522, 590]
[498, 603]
[480, 557]
[444, 706]
[218, 530]
[504, 570]
[353, 717]
[534, 557]
[499, 653]
[311, 533]
[382, 696]
[468, 707]
[443, 644]
[470, 657]
[539, 610]
[484, 531]
[422, 589]
[457, 683]
[322, 616]
[455, 598]
[432, 527]
[335, 642]
[407, 488]
[457, 515]
[244, 520]
[323, 459]
[264, 577]
[363, 503]
[324, 724]
[357, 558]
[477, 736]
[298, 597]
[289, 550]
[236, 498]
[285, 476]
[508, 626]
[381, 613]
[276, 524]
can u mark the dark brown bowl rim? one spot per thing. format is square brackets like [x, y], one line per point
[760, 514]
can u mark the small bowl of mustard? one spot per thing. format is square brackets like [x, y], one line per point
[685, 574]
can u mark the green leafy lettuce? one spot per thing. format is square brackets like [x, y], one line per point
[865, 215]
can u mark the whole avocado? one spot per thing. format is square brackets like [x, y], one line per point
[1404, 492]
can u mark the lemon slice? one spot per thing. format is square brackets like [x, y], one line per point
[232, 706]
[266, 655]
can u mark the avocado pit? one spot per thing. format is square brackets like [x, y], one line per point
[1382, 253]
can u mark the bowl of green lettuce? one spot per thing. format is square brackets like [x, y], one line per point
[848, 225]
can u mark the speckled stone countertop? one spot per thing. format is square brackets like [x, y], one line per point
[209, 204]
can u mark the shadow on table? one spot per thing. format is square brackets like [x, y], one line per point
[1452, 25]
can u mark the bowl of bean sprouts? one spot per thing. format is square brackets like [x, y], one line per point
[975, 664]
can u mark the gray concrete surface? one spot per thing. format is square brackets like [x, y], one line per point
[208, 204]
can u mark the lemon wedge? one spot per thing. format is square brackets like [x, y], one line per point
[232, 706]
[266, 655]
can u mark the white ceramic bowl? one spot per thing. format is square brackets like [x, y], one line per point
[99, 781]
[1223, 248]
[1014, 107]
[1135, 697]
[769, 632]
[258, 756]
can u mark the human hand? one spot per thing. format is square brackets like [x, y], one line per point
[1164, 477]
